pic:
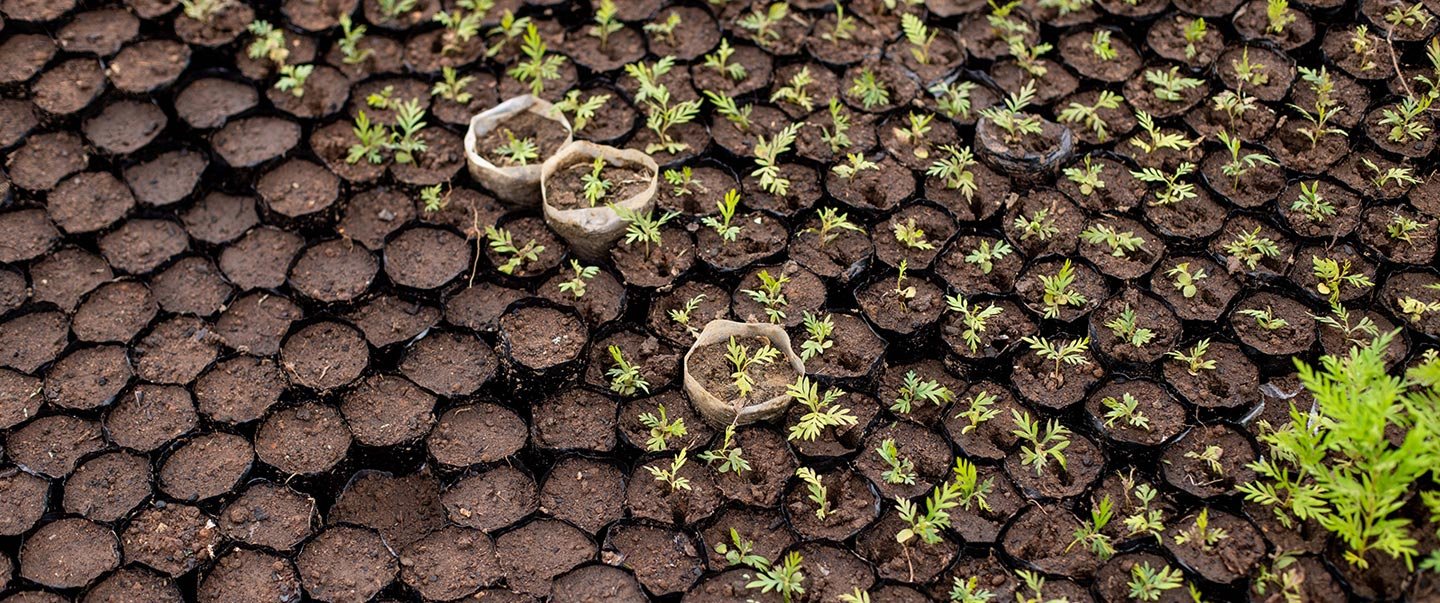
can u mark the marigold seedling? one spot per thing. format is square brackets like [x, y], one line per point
[978, 411]
[724, 226]
[763, 22]
[1127, 409]
[595, 185]
[915, 390]
[818, 331]
[1064, 353]
[349, 42]
[741, 360]
[1403, 228]
[818, 493]
[868, 87]
[625, 378]
[1194, 360]
[671, 475]
[682, 315]
[1172, 189]
[770, 295]
[720, 61]
[1126, 329]
[953, 168]
[1157, 138]
[662, 428]
[1089, 116]
[1100, 45]
[503, 243]
[985, 255]
[371, 141]
[605, 23]
[516, 150]
[729, 456]
[1185, 280]
[911, 236]
[452, 87]
[581, 111]
[1249, 248]
[727, 108]
[1170, 86]
[1194, 32]
[901, 470]
[269, 43]
[1120, 244]
[856, 163]
[821, 411]
[434, 199]
[795, 91]
[1240, 164]
[1039, 225]
[974, 317]
[832, 225]
[767, 158]
[293, 78]
[1332, 275]
[786, 578]
[393, 8]
[1149, 584]
[664, 31]
[1011, 116]
[1090, 534]
[643, 227]
[661, 115]
[1041, 445]
[836, 135]
[1058, 293]
[1201, 534]
[953, 98]
[537, 67]
[576, 284]
[1266, 318]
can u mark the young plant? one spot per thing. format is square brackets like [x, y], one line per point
[733, 113]
[953, 98]
[821, 411]
[516, 150]
[595, 186]
[681, 315]
[1127, 330]
[724, 226]
[1157, 138]
[664, 31]
[671, 476]
[795, 93]
[1311, 204]
[952, 167]
[625, 378]
[1089, 117]
[661, 427]
[1090, 534]
[1211, 456]
[763, 24]
[1240, 164]
[1266, 318]
[269, 43]
[1058, 293]
[786, 578]
[1404, 176]
[643, 227]
[720, 61]
[1012, 118]
[349, 42]
[1041, 445]
[844, 28]
[1411, 15]
[460, 25]
[451, 87]
[1415, 309]
[1172, 189]
[293, 78]
[1201, 534]
[1121, 244]
[978, 411]
[576, 285]
[1404, 119]
[605, 23]
[509, 29]
[770, 295]
[1324, 109]
[818, 330]
[1247, 72]
[1100, 45]
[920, 37]
[580, 111]
[927, 526]
[1194, 33]
[1194, 360]
[1148, 584]
[741, 360]
[433, 200]
[1278, 16]
[503, 243]
[371, 141]
[1249, 248]
[1040, 225]
[1065, 353]
[1402, 228]
[985, 255]
[1146, 520]
[835, 136]
[741, 552]
[1233, 103]
[974, 317]
[901, 470]
[1170, 86]
[537, 67]
[1358, 334]
[1332, 275]
[730, 456]
[911, 236]
[767, 158]
[660, 114]
[869, 89]
[1027, 56]
[1184, 280]
[857, 163]
[203, 11]
[832, 225]
[818, 493]
[914, 390]
[405, 140]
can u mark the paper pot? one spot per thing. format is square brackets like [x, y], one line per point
[591, 231]
[517, 185]
[723, 412]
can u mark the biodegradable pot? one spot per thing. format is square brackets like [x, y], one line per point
[592, 231]
[1021, 163]
[518, 185]
[722, 412]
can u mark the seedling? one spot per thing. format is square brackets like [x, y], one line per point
[1266, 318]
[1195, 360]
[371, 140]
[986, 255]
[730, 456]
[855, 596]
[1184, 280]
[832, 225]
[595, 185]
[978, 411]
[293, 78]
[460, 25]
[724, 226]
[1127, 330]
[818, 493]
[383, 100]
[741, 360]
[1404, 119]
[661, 115]
[1194, 33]
[869, 89]
[1233, 103]
[1035, 584]
[911, 236]
[1240, 164]
[770, 295]
[1027, 57]
[537, 67]
[1366, 328]
[433, 200]
[576, 285]
[915, 390]
[929, 525]
[664, 31]
[682, 181]
[605, 23]
[682, 315]
[643, 227]
[451, 87]
[857, 163]
[1415, 309]
[1090, 533]
[1311, 204]
[1201, 534]
[819, 330]
[901, 470]
[1011, 117]
[1324, 109]
[393, 8]
[1211, 456]
[1039, 225]
[763, 24]
[1157, 138]
[1250, 248]
[1089, 115]
[953, 98]
[509, 29]
[795, 91]
[503, 243]
[1411, 15]
[203, 11]
[349, 42]
[661, 427]
[405, 141]
[741, 552]
[767, 158]
[1404, 176]
[1064, 353]
[974, 318]
[1331, 276]
[1121, 244]
[1402, 228]
[269, 43]
[844, 28]
[953, 168]
[726, 107]
[967, 590]
[972, 491]
[1278, 16]
[1058, 293]
[1363, 45]
[580, 111]
[1146, 519]
[1043, 446]
[625, 378]
[835, 135]
[920, 37]
[720, 61]
[671, 476]
[821, 411]
[1149, 584]
[1247, 72]
[1100, 45]
[787, 579]
[516, 150]
[1172, 189]
[1169, 85]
